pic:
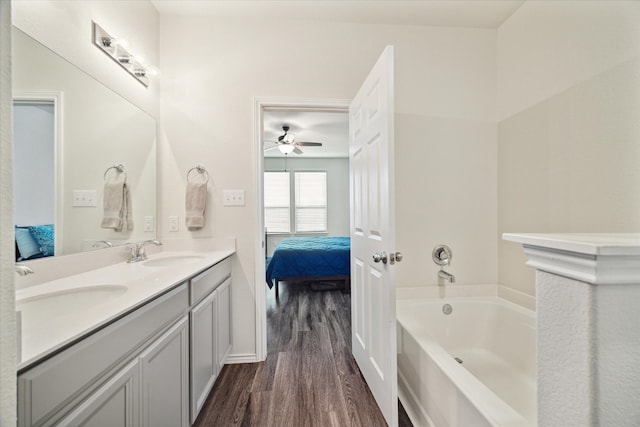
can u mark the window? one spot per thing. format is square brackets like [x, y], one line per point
[309, 202]
[277, 199]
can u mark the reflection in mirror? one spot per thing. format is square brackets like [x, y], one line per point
[69, 130]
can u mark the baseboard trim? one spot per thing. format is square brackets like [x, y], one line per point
[242, 358]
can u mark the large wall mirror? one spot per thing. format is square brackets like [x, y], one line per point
[69, 132]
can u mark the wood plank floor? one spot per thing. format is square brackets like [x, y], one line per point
[309, 377]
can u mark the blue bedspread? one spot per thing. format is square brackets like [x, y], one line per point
[309, 257]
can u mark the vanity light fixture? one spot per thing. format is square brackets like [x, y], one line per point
[120, 54]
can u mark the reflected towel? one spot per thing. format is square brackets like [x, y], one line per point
[117, 206]
[195, 203]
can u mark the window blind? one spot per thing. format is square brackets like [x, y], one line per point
[310, 202]
[277, 199]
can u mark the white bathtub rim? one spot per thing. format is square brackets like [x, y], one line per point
[478, 394]
[449, 299]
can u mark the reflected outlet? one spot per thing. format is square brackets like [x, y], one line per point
[148, 223]
[173, 223]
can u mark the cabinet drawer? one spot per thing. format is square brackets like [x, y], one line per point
[207, 281]
[62, 380]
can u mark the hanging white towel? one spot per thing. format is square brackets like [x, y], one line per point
[117, 205]
[195, 202]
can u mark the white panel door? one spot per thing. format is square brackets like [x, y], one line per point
[373, 306]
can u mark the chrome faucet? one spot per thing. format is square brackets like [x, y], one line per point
[138, 252]
[447, 276]
[23, 270]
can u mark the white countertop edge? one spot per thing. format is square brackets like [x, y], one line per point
[595, 244]
[147, 284]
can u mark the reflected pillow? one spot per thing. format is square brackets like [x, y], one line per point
[43, 234]
[27, 244]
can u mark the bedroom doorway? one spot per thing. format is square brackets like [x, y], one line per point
[37, 148]
[303, 120]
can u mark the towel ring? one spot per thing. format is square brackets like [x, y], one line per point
[201, 170]
[119, 167]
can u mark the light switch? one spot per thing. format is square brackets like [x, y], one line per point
[233, 198]
[85, 198]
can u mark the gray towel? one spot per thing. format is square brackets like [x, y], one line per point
[195, 202]
[117, 205]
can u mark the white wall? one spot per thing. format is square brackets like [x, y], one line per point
[568, 153]
[34, 163]
[337, 191]
[7, 292]
[445, 131]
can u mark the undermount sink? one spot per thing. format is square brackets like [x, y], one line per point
[60, 302]
[174, 260]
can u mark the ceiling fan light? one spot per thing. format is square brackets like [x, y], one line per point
[286, 148]
[288, 138]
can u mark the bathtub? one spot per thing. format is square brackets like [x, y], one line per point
[473, 367]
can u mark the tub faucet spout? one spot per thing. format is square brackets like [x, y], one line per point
[447, 276]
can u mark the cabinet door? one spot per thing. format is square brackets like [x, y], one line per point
[224, 322]
[203, 351]
[164, 368]
[114, 404]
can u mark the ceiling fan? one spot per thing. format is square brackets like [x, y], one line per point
[287, 143]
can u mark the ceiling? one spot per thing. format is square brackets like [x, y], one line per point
[443, 13]
[331, 128]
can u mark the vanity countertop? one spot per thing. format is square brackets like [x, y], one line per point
[83, 303]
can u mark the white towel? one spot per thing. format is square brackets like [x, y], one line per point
[195, 202]
[117, 205]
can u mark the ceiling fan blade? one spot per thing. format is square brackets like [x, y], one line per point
[309, 144]
[270, 148]
[297, 150]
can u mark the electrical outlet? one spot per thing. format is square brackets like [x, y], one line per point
[173, 223]
[85, 198]
[233, 198]
[148, 223]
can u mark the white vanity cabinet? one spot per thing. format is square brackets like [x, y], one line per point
[150, 366]
[134, 369]
[210, 330]
[153, 386]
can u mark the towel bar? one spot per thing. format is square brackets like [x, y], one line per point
[119, 167]
[200, 170]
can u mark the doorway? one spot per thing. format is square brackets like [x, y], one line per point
[264, 107]
[37, 147]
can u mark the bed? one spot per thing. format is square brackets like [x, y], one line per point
[298, 259]
[33, 241]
